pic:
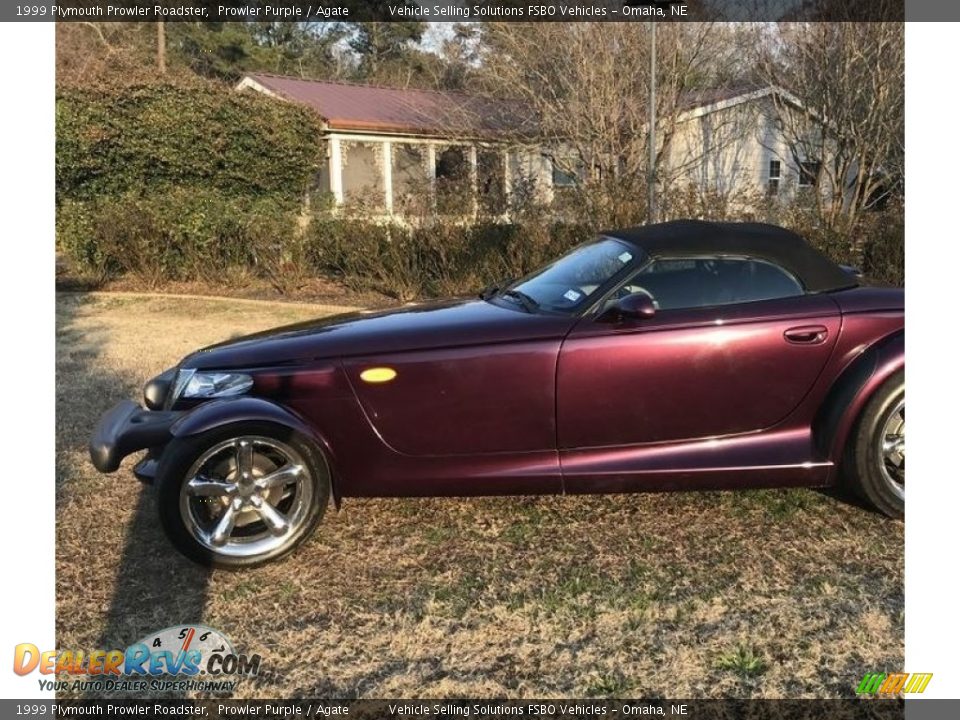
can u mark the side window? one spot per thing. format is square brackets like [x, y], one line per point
[705, 282]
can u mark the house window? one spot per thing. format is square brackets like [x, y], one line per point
[490, 181]
[773, 178]
[562, 178]
[452, 172]
[809, 172]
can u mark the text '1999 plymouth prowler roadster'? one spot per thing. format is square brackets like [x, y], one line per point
[684, 355]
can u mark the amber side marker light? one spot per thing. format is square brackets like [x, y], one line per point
[378, 375]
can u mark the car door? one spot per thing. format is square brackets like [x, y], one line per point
[733, 348]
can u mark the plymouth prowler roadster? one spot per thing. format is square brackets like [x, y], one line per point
[685, 355]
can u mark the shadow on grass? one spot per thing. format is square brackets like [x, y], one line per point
[153, 586]
[839, 493]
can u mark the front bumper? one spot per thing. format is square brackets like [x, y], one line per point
[126, 428]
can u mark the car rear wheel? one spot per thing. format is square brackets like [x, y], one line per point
[241, 495]
[876, 459]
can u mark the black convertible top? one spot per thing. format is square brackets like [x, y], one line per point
[778, 245]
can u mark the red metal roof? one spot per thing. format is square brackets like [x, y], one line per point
[372, 108]
[345, 106]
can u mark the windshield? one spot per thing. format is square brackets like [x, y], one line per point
[573, 280]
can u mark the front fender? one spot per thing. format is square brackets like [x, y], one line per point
[852, 390]
[217, 413]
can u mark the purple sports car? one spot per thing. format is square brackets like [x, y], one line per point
[685, 355]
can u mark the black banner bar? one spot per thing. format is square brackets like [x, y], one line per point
[463, 10]
[853, 708]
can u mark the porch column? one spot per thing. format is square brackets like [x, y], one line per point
[432, 175]
[544, 177]
[473, 178]
[336, 170]
[507, 183]
[388, 176]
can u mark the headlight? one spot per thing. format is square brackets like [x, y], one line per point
[205, 384]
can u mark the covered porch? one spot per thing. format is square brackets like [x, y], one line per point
[408, 176]
[409, 153]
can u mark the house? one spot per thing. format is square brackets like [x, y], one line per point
[744, 140]
[385, 146]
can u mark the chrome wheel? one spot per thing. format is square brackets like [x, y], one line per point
[891, 447]
[247, 496]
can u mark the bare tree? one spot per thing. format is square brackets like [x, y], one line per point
[587, 84]
[846, 135]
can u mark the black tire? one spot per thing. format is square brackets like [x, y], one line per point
[863, 464]
[179, 458]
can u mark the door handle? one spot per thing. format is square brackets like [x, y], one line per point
[806, 335]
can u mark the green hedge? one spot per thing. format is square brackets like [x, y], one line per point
[148, 139]
[183, 234]
[438, 260]
[193, 235]
[207, 235]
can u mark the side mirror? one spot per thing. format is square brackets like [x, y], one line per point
[637, 306]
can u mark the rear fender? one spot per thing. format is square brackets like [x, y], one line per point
[217, 413]
[851, 392]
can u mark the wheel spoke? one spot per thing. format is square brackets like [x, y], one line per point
[205, 487]
[279, 478]
[221, 533]
[893, 445]
[271, 516]
[244, 449]
[892, 448]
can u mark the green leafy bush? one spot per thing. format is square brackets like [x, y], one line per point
[151, 138]
[184, 234]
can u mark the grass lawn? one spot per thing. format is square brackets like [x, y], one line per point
[753, 594]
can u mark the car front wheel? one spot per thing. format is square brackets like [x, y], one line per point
[241, 495]
[876, 459]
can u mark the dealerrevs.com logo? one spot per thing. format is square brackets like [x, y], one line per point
[183, 657]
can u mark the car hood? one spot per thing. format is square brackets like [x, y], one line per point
[451, 323]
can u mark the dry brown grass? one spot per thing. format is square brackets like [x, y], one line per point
[759, 594]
